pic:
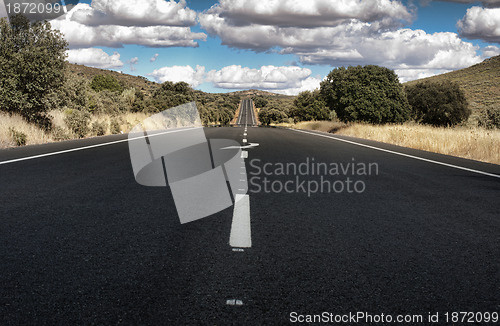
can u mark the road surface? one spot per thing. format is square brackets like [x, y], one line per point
[82, 243]
[247, 114]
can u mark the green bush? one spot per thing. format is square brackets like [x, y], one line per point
[32, 67]
[99, 128]
[438, 104]
[114, 126]
[78, 122]
[490, 118]
[58, 134]
[309, 106]
[272, 115]
[106, 82]
[260, 102]
[18, 137]
[370, 94]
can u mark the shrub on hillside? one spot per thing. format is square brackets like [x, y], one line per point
[309, 106]
[18, 137]
[370, 94]
[32, 66]
[114, 126]
[271, 115]
[99, 128]
[438, 104]
[106, 82]
[78, 122]
[260, 102]
[490, 118]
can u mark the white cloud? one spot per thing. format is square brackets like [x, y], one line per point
[267, 77]
[491, 51]
[95, 57]
[136, 13]
[312, 13]
[180, 73]
[351, 42]
[132, 62]
[485, 3]
[289, 80]
[153, 58]
[481, 23]
[406, 75]
[80, 35]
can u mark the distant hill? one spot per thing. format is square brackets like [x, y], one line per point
[142, 83]
[139, 82]
[481, 83]
[256, 92]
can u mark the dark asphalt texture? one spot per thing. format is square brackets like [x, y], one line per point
[247, 114]
[81, 243]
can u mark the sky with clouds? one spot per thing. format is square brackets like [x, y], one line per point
[284, 46]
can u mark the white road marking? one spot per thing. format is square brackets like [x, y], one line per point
[244, 134]
[401, 154]
[234, 302]
[238, 249]
[244, 140]
[89, 147]
[244, 154]
[240, 229]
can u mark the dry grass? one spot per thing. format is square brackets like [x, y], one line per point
[325, 126]
[472, 143]
[35, 135]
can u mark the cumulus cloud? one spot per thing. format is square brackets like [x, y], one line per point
[175, 74]
[95, 57]
[406, 75]
[485, 3]
[136, 13]
[491, 51]
[153, 58]
[132, 62]
[312, 13]
[481, 23]
[289, 80]
[367, 37]
[81, 35]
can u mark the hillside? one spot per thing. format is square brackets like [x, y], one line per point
[138, 82]
[256, 92]
[481, 83]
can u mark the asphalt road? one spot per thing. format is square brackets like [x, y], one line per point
[247, 114]
[82, 243]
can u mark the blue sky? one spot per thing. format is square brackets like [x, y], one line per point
[282, 46]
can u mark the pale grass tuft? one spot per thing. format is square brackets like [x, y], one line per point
[34, 135]
[324, 126]
[471, 143]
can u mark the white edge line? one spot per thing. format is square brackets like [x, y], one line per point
[90, 146]
[401, 154]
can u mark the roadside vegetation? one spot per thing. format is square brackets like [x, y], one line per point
[43, 98]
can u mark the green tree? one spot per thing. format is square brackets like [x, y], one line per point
[106, 82]
[32, 61]
[260, 102]
[271, 115]
[370, 93]
[309, 106]
[438, 104]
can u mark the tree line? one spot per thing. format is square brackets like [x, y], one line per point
[373, 94]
